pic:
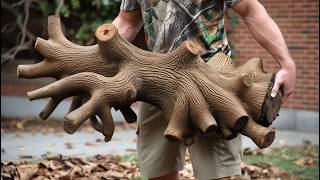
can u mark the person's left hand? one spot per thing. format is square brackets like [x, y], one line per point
[286, 77]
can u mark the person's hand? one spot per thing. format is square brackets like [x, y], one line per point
[286, 77]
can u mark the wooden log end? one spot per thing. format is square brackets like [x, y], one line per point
[69, 126]
[211, 129]
[54, 20]
[22, 71]
[33, 94]
[263, 137]
[105, 32]
[40, 44]
[43, 116]
[268, 140]
[173, 136]
[107, 139]
[271, 106]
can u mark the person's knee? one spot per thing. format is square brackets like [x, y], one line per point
[170, 176]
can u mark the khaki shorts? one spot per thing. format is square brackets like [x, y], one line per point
[211, 156]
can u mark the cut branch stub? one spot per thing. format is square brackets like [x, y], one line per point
[261, 136]
[193, 95]
[63, 58]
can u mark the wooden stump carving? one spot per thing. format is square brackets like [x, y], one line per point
[216, 96]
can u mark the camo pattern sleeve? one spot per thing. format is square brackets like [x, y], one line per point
[129, 5]
[231, 3]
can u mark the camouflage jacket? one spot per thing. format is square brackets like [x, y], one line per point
[168, 23]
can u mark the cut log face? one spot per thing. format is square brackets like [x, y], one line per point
[217, 96]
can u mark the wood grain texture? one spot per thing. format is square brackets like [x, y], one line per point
[196, 97]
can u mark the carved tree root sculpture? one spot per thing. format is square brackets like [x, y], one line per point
[62, 58]
[213, 96]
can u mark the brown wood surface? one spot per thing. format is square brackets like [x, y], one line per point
[196, 97]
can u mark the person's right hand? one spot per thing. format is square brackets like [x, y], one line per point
[286, 77]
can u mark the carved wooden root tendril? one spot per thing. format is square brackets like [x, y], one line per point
[195, 96]
[100, 102]
[63, 58]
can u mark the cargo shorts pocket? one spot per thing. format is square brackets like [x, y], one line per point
[229, 151]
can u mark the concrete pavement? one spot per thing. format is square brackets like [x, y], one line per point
[85, 143]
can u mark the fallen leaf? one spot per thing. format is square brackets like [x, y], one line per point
[25, 156]
[90, 144]
[286, 157]
[306, 142]
[282, 142]
[113, 174]
[265, 171]
[69, 145]
[314, 154]
[18, 135]
[249, 151]
[6, 176]
[66, 177]
[43, 165]
[276, 171]
[49, 155]
[99, 140]
[245, 176]
[11, 169]
[20, 126]
[26, 172]
[131, 150]
[305, 161]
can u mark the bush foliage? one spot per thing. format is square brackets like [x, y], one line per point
[24, 20]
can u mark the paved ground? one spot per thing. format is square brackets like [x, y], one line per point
[14, 106]
[14, 145]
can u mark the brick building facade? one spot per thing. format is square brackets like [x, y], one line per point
[299, 23]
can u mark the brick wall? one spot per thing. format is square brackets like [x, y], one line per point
[299, 23]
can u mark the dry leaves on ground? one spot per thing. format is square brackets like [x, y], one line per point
[305, 161]
[250, 151]
[263, 171]
[63, 167]
[111, 167]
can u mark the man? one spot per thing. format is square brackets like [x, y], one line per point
[167, 24]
